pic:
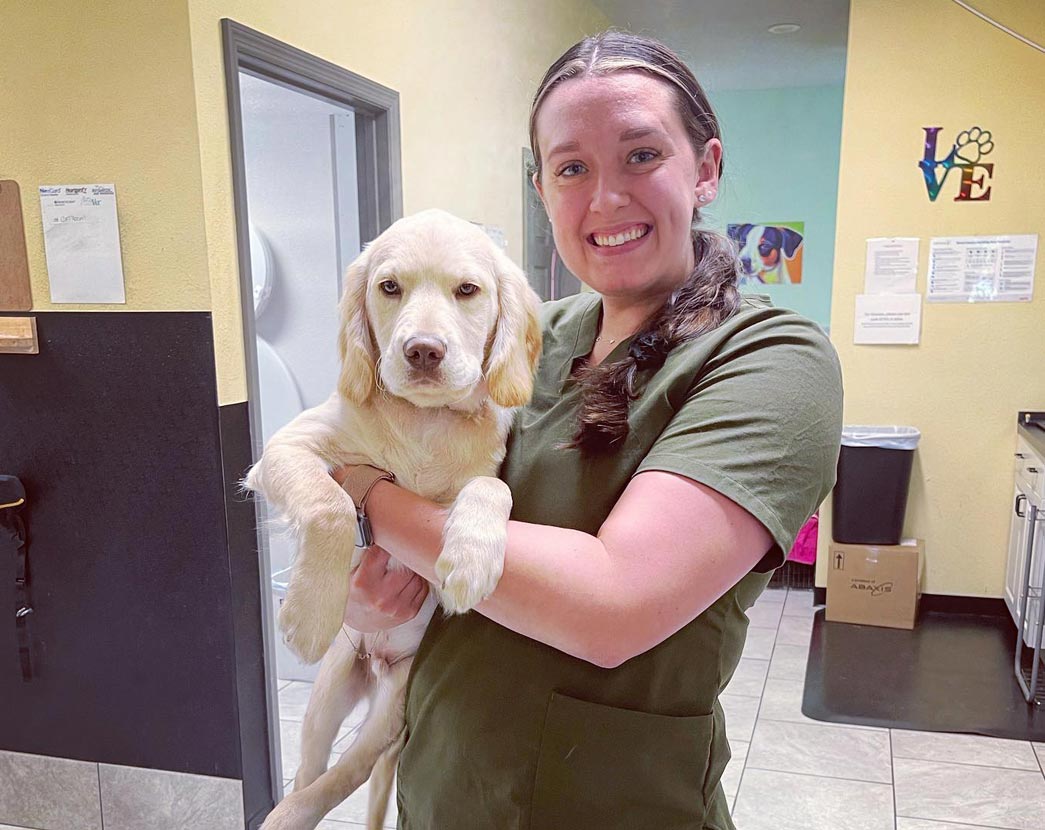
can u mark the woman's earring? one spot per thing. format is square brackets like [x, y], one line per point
[702, 198]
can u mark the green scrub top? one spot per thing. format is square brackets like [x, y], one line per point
[505, 733]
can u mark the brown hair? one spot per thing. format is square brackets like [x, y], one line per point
[709, 295]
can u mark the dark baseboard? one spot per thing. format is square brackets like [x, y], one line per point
[979, 606]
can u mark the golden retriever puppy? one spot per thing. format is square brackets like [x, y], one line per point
[439, 341]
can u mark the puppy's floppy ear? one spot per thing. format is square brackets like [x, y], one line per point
[355, 340]
[792, 239]
[516, 346]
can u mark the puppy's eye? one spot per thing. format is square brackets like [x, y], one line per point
[390, 288]
[467, 289]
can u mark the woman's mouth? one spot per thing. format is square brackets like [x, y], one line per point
[622, 237]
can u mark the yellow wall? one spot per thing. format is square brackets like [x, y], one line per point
[913, 65]
[102, 92]
[464, 71]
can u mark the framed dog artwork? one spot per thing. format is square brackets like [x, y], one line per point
[769, 254]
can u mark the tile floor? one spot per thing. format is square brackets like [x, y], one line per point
[792, 773]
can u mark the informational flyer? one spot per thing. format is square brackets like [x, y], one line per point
[982, 269]
[891, 266]
[82, 243]
[888, 319]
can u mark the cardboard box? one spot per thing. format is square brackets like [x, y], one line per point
[875, 584]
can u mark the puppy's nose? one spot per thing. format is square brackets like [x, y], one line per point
[424, 353]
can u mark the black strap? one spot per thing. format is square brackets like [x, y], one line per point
[13, 537]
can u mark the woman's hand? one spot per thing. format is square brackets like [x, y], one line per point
[379, 598]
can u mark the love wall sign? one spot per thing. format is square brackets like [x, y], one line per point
[967, 154]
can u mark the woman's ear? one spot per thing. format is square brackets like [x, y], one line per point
[516, 346]
[355, 340]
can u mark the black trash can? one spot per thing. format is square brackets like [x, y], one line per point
[870, 496]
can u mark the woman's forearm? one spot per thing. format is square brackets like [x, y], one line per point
[556, 582]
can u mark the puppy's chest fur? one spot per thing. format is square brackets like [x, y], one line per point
[433, 452]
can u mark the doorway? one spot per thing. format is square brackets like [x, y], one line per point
[316, 174]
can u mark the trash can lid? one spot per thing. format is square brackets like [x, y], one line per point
[885, 437]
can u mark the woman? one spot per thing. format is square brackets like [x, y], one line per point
[678, 438]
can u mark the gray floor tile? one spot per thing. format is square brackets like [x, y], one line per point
[799, 604]
[293, 700]
[785, 801]
[759, 643]
[789, 662]
[795, 631]
[290, 745]
[967, 794]
[1040, 750]
[964, 749]
[818, 749]
[749, 678]
[731, 777]
[922, 824]
[740, 716]
[133, 798]
[773, 595]
[765, 614]
[327, 824]
[56, 793]
[782, 701]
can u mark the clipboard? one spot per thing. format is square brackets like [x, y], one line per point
[15, 291]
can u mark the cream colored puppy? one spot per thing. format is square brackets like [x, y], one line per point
[439, 340]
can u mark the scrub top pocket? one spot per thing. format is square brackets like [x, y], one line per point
[604, 768]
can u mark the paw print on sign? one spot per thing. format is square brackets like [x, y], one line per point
[973, 144]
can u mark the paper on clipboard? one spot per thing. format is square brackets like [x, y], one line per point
[82, 243]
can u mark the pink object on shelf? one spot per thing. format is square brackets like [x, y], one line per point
[804, 549]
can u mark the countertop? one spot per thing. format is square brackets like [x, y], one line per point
[1033, 434]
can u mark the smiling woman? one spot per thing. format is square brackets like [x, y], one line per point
[677, 439]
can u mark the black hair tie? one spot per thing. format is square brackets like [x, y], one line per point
[648, 351]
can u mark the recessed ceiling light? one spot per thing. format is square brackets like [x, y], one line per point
[784, 28]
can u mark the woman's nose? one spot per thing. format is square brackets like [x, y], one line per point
[610, 194]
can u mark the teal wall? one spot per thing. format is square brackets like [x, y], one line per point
[781, 150]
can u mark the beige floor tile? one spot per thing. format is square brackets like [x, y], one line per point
[785, 801]
[56, 793]
[964, 749]
[922, 824]
[973, 795]
[818, 749]
[773, 595]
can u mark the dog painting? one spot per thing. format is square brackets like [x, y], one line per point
[769, 254]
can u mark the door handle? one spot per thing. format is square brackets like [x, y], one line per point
[1016, 506]
[14, 539]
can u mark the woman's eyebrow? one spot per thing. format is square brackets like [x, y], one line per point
[565, 147]
[637, 132]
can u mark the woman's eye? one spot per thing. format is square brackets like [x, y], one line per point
[574, 168]
[640, 156]
[390, 288]
[467, 289]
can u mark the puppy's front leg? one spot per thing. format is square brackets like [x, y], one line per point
[474, 539]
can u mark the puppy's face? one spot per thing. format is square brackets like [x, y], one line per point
[432, 311]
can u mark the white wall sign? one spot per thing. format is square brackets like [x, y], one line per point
[888, 319]
[82, 243]
[982, 269]
[891, 266]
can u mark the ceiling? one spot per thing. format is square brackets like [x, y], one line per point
[728, 45]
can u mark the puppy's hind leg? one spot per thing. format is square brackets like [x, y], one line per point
[304, 809]
[381, 785]
[339, 686]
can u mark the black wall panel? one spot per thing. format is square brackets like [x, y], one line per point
[146, 632]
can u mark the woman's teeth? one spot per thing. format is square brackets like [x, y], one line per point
[604, 241]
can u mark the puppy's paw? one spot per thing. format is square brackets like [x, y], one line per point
[310, 619]
[468, 569]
